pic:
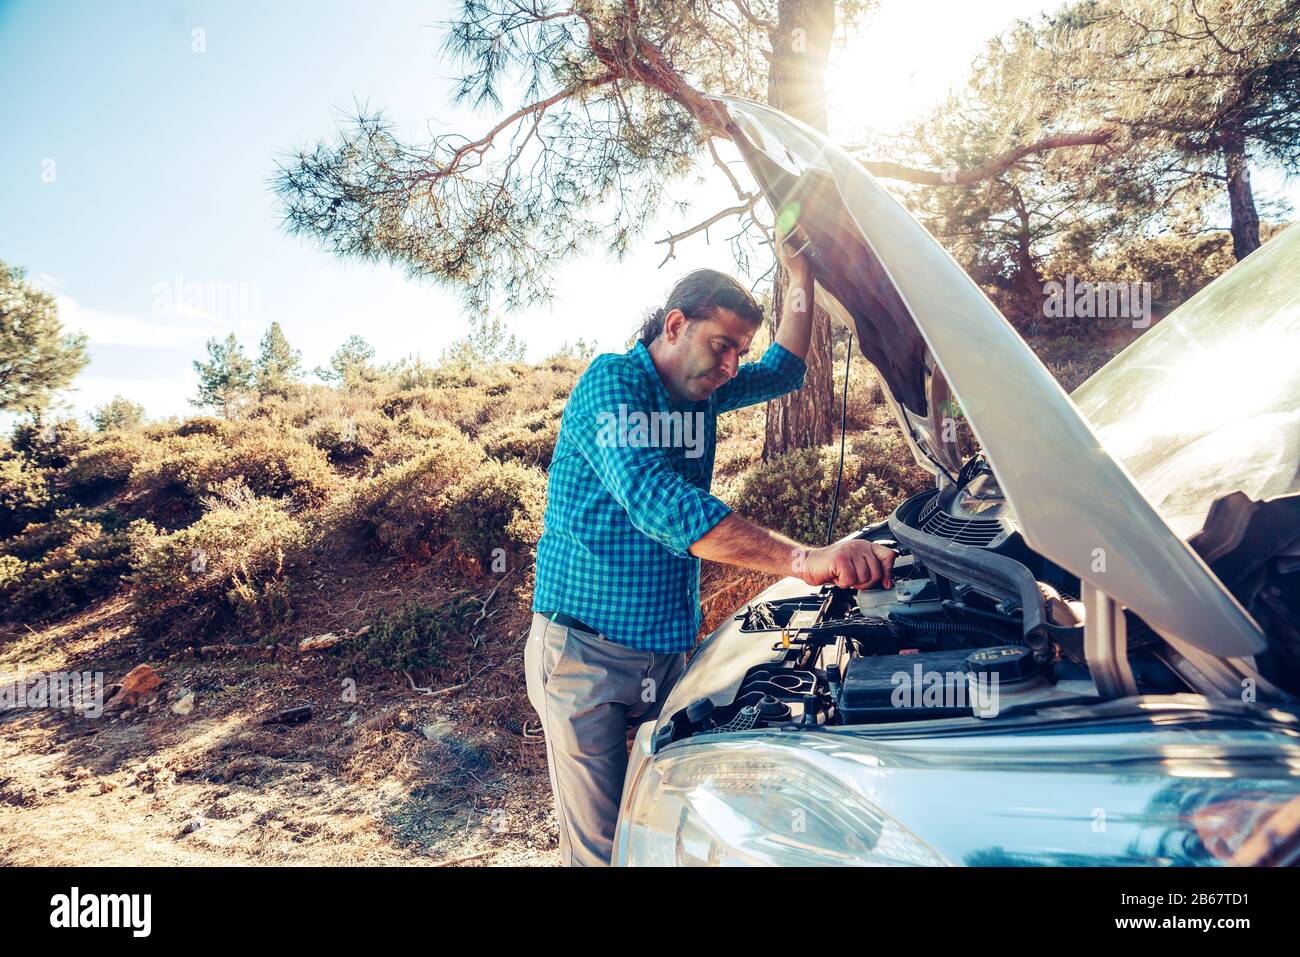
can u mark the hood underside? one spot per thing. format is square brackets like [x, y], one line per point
[927, 327]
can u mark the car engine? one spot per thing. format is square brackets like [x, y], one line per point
[976, 624]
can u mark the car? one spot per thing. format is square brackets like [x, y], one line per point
[1090, 652]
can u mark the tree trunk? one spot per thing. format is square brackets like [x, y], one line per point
[796, 85]
[1028, 283]
[1241, 199]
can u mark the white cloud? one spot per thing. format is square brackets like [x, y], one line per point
[160, 397]
[182, 327]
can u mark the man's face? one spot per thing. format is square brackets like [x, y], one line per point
[702, 355]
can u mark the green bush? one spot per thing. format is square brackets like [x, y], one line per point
[406, 639]
[25, 495]
[792, 493]
[231, 559]
[498, 506]
[105, 465]
[404, 508]
[70, 564]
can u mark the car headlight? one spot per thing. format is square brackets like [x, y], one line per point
[1152, 797]
[737, 803]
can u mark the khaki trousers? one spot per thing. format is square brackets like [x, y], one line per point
[588, 691]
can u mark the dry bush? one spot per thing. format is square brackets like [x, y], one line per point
[529, 438]
[228, 563]
[64, 565]
[201, 425]
[500, 505]
[740, 444]
[104, 466]
[25, 495]
[271, 465]
[403, 508]
[348, 438]
[467, 408]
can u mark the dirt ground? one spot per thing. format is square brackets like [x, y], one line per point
[379, 774]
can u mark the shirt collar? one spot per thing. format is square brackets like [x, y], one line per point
[641, 355]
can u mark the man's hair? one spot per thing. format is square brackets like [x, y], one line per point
[697, 294]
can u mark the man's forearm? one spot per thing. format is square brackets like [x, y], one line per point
[850, 563]
[795, 330]
[735, 541]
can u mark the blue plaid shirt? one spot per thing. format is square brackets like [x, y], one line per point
[626, 500]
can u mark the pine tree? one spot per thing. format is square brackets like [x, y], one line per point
[279, 365]
[36, 357]
[226, 375]
[613, 110]
[118, 413]
[350, 364]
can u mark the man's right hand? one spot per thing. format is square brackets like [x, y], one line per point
[851, 564]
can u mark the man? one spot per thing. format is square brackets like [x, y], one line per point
[628, 518]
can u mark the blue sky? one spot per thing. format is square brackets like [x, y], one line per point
[134, 165]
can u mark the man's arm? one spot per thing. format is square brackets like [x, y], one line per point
[851, 564]
[780, 370]
[795, 329]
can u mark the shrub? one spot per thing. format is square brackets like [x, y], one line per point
[529, 439]
[231, 559]
[105, 465]
[11, 571]
[39, 538]
[274, 466]
[885, 455]
[865, 393]
[792, 493]
[70, 564]
[403, 508]
[200, 425]
[498, 506]
[406, 639]
[24, 495]
[50, 445]
[271, 465]
[347, 438]
[405, 400]
[174, 463]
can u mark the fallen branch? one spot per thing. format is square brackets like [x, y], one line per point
[461, 860]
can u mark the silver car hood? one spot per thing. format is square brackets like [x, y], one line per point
[927, 327]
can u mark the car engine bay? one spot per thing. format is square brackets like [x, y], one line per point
[975, 624]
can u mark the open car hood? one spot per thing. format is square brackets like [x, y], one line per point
[928, 329]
